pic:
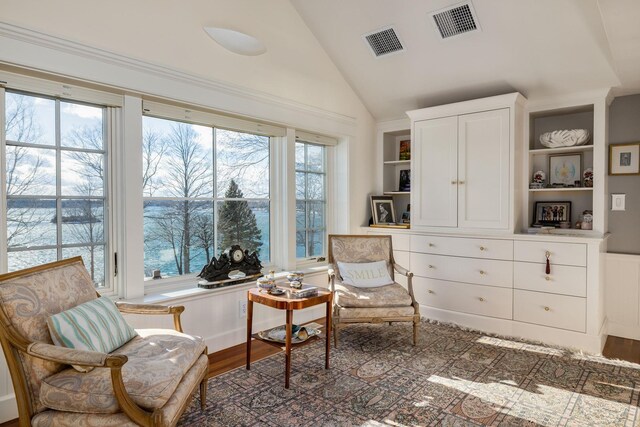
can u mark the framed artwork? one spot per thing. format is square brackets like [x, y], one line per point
[405, 180]
[382, 210]
[565, 170]
[552, 213]
[624, 159]
[405, 150]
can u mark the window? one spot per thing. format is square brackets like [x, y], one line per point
[311, 199]
[55, 180]
[205, 189]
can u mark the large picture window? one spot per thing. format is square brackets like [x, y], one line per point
[55, 182]
[311, 200]
[205, 189]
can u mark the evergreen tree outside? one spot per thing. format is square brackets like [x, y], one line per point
[237, 223]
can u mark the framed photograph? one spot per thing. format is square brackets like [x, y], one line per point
[405, 150]
[383, 210]
[552, 213]
[405, 180]
[565, 170]
[624, 159]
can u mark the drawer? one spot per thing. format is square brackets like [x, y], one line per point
[560, 253]
[400, 242]
[469, 270]
[557, 311]
[463, 297]
[466, 247]
[564, 279]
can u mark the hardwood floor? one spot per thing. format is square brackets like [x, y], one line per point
[234, 357]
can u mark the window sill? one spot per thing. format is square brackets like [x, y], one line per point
[187, 289]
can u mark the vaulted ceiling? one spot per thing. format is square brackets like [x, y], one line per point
[537, 47]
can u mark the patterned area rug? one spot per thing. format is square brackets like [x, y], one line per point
[453, 377]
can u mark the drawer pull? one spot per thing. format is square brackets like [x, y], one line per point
[430, 291]
[482, 248]
[431, 266]
[547, 309]
[547, 278]
[454, 182]
[481, 299]
[460, 182]
[482, 272]
[431, 245]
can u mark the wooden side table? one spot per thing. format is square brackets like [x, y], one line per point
[284, 302]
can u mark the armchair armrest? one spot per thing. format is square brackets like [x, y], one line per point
[331, 271]
[400, 269]
[72, 356]
[175, 310]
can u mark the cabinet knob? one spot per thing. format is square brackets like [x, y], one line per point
[431, 245]
[454, 182]
[482, 272]
[482, 248]
[431, 266]
[460, 182]
[547, 278]
[547, 254]
[430, 291]
[481, 299]
[547, 309]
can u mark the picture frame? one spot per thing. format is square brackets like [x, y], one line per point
[404, 150]
[404, 181]
[565, 170]
[552, 214]
[624, 159]
[383, 210]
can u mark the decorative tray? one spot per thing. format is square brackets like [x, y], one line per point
[279, 334]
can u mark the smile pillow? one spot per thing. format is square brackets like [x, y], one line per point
[365, 274]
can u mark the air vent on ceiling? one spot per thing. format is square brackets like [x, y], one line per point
[383, 41]
[455, 20]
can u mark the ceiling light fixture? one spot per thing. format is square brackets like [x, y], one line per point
[236, 41]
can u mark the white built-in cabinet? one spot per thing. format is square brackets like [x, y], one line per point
[464, 164]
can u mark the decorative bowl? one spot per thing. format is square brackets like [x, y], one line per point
[266, 283]
[295, 284]
[565, 138]
[295, 275]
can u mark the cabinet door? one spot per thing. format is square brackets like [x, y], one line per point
[483, 169]
[435, 169]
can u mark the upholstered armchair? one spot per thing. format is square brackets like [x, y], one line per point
[148, 381]
[353, 304]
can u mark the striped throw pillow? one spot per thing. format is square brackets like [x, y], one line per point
[95, 325]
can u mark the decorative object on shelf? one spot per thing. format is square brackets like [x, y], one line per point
[586, 222]
[552, 213]
[232, 266]
[624, 159]
[587, 177]
[266, 283]
[299, 334]
[565, 224]
[276, 291]
[295, 284]
[539, 179]
[565, 138]
[405, 150]
[406, 215]
[295, 276]
[405, 180]
[565, 169]
[383, 210]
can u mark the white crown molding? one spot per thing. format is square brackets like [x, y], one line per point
[39, 39]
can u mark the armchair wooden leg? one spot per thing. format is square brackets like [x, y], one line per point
[335, 336]
[203, 393]
[415, 331]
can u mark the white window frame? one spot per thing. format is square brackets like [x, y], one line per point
[58, 92]
[215, 121]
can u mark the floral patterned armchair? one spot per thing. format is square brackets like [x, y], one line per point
[149, 381]
[390, 303]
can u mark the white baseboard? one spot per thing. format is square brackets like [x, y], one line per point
[624, 331]
[8, 408]
[510, 328]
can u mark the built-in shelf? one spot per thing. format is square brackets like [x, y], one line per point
[577, 148]
[565, 232]
[394, 193]
[397, 162]
[553, 190]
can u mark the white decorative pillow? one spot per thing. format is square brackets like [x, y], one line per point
[96, 325]
[365, 274]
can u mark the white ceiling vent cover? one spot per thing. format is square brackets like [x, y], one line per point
[456, 20]
[383, 42]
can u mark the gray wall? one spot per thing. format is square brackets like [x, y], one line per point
[624, 126]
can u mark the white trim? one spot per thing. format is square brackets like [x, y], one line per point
[314, 138]
[3, 185]
[8, 407]
[29, 48]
